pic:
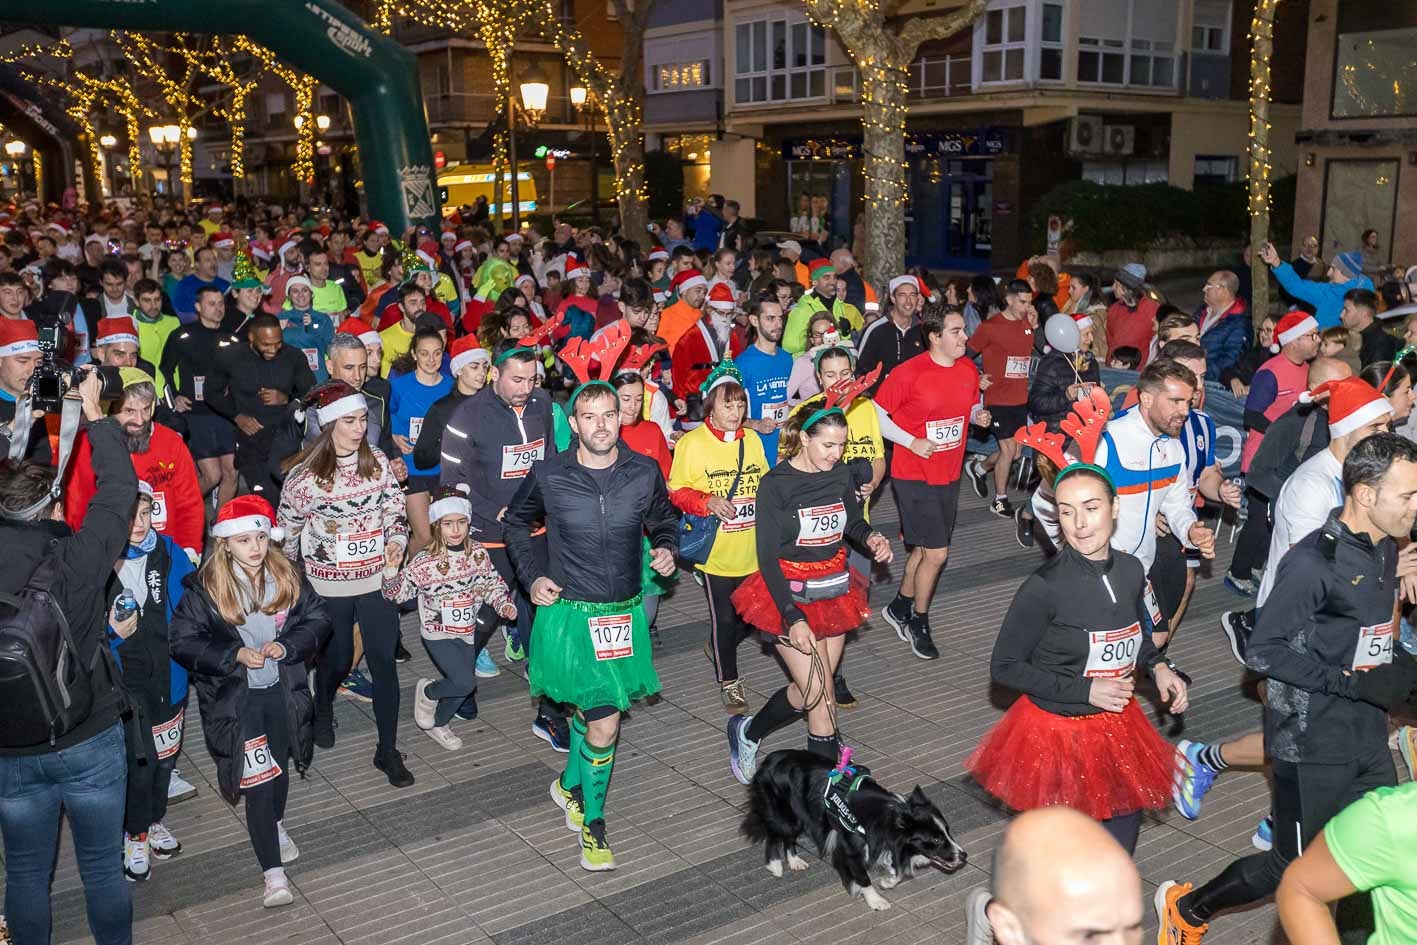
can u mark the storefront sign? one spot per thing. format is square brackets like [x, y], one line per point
[971, 142]
[822, 149]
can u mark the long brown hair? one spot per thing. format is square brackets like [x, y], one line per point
[323, 463]
[232, 599]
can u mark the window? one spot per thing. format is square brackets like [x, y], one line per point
[1210, 26]
[1050, 52]
[1216, 169]
[675, 77]
[778, 60]
[1129, 171]
[1005, 39]
[1376, 74]
[1128, 42]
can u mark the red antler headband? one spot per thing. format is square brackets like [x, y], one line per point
[640, 355]
[604, 352]
[538, 336]
[840, 396]
[1084, 425]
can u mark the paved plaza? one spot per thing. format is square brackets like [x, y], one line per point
[476, 852]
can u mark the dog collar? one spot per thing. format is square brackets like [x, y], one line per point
[841, 784]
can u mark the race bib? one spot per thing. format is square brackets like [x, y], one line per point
[612, 636]
[1017, 367]
[945, 432]
[415, 426]
[776, 413]
[198, 388]
[312, 358]
[168, 736]
[1374, 647]
[745, 515]
[159, 510]
[1112, 653]
[259, 765]
[517, 460]
[1153, 609]
[355, 551]
[822, 525]
[459, 615]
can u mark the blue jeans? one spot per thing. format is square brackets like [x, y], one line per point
[89, 780]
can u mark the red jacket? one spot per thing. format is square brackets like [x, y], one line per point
[1131, 328]
[167, 466]
[692, 360]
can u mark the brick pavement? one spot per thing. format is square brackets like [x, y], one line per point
[475, 852]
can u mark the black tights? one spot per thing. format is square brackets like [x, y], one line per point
[1252, 545]
[263, 714]
[727, 630]
[378, 621]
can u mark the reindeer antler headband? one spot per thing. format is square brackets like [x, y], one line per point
[529, 342]
[840, 396]
[1085, 425]
[604, 353]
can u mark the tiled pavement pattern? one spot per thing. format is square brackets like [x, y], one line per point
[476, 852]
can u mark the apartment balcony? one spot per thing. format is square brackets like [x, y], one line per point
[929, 78]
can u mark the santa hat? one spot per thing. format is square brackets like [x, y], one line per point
[1352, 402]
[514, 237]
[686, 280]
[822, 267]
[286, 247]
[575, 268]
[525, 278]
[117, 330]
[872, 305]
[461, 245]
[223, 240]
[899, 281]
[18, 336]
[447, 235]
[360, 329]
[246, 513]
[658, 253]
[464, 351]
[449, 500]
[661, 296]
[1084, 320]
[214, 206]
[376, 227]
[427, 259]
[332, 400]
[58, 227]
[721, 297]
[1293, 326]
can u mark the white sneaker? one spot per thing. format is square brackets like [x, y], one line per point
[162, 843]
[178, 789]
[136, 865]
[444, 736]
[289, 852]
[277, 889]
[423, 707]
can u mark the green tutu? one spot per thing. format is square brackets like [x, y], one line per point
[591, 655]
[652, 583]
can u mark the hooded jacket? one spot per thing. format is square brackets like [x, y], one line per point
[1325, 297]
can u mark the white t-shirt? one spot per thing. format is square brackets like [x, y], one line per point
[1307, 497]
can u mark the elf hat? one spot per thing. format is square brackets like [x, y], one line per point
[466, 350]
[18, 336]
[246, 513]
[117, 330]
[822, 267]
[449, 500]
[721, 297]
[1293, 326]
[360, 329]
[332, 400]
[686, 280]
[1352, 402]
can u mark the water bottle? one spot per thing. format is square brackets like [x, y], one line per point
[126, 606]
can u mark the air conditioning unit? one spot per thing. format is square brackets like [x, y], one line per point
[1119, 139]
[1085, 136]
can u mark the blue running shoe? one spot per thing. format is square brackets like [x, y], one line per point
[1192, 779]
[357, 686]
[553, 730]
[486, 666]
[742, 751]
[1263, 840]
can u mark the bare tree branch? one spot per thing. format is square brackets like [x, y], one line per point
[919, 29]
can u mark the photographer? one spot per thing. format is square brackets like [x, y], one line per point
[83, 766]
[19, 356]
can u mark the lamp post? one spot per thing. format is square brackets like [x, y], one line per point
[582, 99]
[534, 90]
[108, 142]
[165, 139]
[15, 150]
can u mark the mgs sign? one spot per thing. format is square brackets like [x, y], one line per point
[341, 34]
[419, 198]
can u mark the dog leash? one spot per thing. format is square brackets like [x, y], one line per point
[816, 671]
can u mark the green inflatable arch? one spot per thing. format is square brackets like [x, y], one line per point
[318, 37]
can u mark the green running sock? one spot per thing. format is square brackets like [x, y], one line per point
[596, 764]
[571, 777]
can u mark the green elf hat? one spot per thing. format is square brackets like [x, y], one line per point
[821, 268]
[723, 372]
[243, 272]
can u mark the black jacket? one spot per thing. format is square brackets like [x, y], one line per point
[85, 563]
[1048, 391]
[426, 452]
[884, 344]
[594, 535]
[240, 373]
[1297, 435]
[207, 645]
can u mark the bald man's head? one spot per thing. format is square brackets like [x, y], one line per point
[1328, 369]
[1060, 879]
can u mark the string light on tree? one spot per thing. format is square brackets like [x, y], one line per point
[1261, 51]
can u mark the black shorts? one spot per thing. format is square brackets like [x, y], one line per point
[1168, 574]
[1008, 420]
[417, 484]
[927, 513]
[210, 436]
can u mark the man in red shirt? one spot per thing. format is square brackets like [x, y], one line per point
[1005, 342]
[925, 407]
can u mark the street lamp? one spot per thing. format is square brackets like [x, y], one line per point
[535, 89]
[165, 139]
[108, 142]
[322, 122]
[16, 151]
[582, 99]
[578, 95]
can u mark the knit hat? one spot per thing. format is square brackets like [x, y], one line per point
[246, 513]
[449, 500]
[294, 281]
[1132, 275]
[1350, 264]
[1293, 326]
[1352, 402]
[658, 253]
[686, 280]
[222, 240]
[821, 268]
[1084, 320]
[721, 297]
[116, 330]
[145, 488]
[243, 271]
[332, 400]
[132, 377]
[18, 336]
[360, 329]
[466, 350]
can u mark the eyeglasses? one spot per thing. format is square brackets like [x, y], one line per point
[1211, 285]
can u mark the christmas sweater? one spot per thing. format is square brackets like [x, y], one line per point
[340, 533]
[451, 588]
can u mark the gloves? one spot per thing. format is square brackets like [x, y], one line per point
[1390, 685]
[487, 618]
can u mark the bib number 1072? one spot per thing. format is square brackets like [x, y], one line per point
[612, 636]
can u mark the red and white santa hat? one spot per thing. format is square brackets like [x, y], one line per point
[1084, 320]
[446, 235]
[658, 253]
[246, 513]
[449, 500]
[18, 336]
[721, 297]
[465, 351]
[360, 329]
[58, 227]
[575, 268]
[525, 278]
[686, 280]
[223, 240]
[872, 305]
[1293, 326]
[1352, 402]
[116, 331]
[334, 399]
[906, 279]
[376, 227]
[461, 245]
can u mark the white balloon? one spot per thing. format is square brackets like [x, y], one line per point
[1062, 333]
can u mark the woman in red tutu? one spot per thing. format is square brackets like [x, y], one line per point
[1071, 643]
[804, 594]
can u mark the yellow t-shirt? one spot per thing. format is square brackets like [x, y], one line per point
[396, 341]
[705, 463]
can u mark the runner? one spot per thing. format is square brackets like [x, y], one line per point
[305, 327]
[246, 628]
[1005, 343]
[704, 344]
[417, 383]
[343, 517]
[189, 359]
[766, 368]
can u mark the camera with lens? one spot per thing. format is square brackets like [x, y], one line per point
[53, 315]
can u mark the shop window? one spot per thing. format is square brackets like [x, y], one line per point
[1375, 74]
[779, 60]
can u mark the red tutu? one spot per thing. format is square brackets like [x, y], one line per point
[1104, 765]
[827, 618]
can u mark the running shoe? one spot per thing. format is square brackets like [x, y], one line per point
[1237, 625]
[136, 865]
[595, 848]
[401, 655]
[1192, 779]
[841, 695]
[917, 634]
[570, 802]
[1002, 507]
[977, 930]
[553, 730]
[161, 843]
[514, 652]
[357, 686]
[468, 710]
[424, 706]
[1245, 587]
[735, 699]
[1263, 838]
[178, 789]
[1407, 746]
[487, 667]
[896, 619]
[742, 750]
[1174, 929]
[444, 737]
[325, 730]
[978, 475]
[277, 891]
[1023, 528]
[390, 761]
[289, 852]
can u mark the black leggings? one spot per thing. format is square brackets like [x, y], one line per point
[727, 630]
[264, 714]
[148, 780]
[378, 620]
[1252, 546]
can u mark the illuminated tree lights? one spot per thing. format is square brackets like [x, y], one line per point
[1261, 51]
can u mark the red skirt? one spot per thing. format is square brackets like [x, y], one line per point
[1104, 765]
[827, 618]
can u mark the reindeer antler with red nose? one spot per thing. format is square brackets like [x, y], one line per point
[604, 352]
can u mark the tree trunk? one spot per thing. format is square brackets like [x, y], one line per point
[883, 162]
[627, 150]
[1262, 29]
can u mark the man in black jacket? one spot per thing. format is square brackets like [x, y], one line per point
[594, 653]
[84, 769]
